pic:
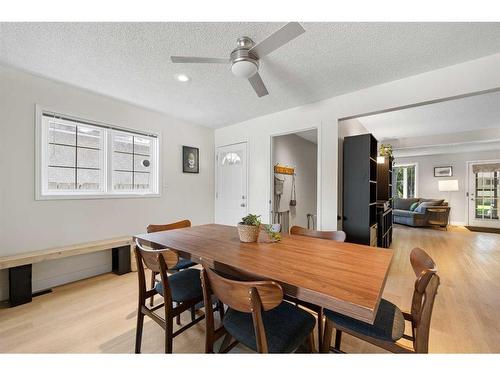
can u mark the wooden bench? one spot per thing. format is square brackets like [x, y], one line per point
[20, 265]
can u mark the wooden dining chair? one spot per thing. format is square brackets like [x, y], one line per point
[182, 288]
[389, 325]
[181, 264]
[333, 235]
[256, 316]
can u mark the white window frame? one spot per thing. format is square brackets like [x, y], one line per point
[106, 191]
[410, 164]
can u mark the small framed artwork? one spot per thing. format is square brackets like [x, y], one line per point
[443, 171]
[190, 159]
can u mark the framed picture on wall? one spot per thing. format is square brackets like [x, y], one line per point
[190, 159]
[443, 171]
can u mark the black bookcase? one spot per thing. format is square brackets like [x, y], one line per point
[360, 189]
[384, 200]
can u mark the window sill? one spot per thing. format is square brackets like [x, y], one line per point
[70, 196]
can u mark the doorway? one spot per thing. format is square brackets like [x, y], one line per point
[484, 194]
[294, 187]
[231, 199]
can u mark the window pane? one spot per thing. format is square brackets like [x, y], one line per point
[89, 137]
[142, 163]
[122, 161]
[123, 143]
[122, 180]
[88, 179]
[141, 181]
[63, 134]
[142, 145]
[88, 158]
[61, 156]
[61, 178]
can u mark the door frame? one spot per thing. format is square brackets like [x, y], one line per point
[216, 170]
[467, 185]
[318, 170]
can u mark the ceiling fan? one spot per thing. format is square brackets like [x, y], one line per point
[244, 59]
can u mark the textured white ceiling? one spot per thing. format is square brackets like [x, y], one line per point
[130, 61]
[452, 116]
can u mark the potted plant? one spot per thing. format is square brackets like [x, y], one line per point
[248, 228]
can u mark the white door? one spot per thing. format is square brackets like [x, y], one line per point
[231, 188]
[484, 197]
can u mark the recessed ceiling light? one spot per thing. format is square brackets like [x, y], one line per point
[182, 78]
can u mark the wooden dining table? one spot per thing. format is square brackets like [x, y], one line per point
[343, 277]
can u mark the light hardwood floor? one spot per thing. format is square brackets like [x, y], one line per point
[97, 315]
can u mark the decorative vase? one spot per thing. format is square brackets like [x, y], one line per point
[248, 233]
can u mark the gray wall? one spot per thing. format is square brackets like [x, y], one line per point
[427, 184]
[297, 152]
[26, 224]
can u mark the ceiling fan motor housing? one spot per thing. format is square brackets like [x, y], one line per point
[243, 63]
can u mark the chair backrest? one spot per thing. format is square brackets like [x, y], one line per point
[424, 294]
[161, 227]
[158, 261]
[245, 296]
[335, 235]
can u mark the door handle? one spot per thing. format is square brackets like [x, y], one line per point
[242, 205]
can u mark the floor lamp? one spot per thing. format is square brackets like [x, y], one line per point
[449, 186]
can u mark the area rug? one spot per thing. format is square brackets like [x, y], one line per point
[483, 229]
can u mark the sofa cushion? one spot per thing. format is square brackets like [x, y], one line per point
[414, 205]
[436, 202]
[406, 213]
[421, 207]
[404, 203]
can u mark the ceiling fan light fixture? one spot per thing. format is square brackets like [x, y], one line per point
[244, 68]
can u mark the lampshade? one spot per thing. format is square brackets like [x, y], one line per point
[448, 185]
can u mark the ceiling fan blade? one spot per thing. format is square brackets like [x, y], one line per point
[258, 85]
[198, 60]
[274, 41]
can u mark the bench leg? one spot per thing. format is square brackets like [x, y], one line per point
[121, 260]
[20, 285]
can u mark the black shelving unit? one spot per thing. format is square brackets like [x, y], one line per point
[360, 189]
[384, 199]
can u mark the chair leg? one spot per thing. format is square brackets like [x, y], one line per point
[151, 300]
[178, 317]
[221, 310]
[327, 337]
[193, 313]
[169, 333]
[338, 339]
[320, 326]
[310, 342]
[138, 334]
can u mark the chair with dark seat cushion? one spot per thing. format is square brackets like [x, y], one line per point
[256, 316]
[184, 286]
[181, 263]
[389, 325]
[334, 235]
[286, 327]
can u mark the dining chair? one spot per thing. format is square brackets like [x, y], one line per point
[333, 235]
[256, 316]
[389, 325]
[181, 264]
[183, 288]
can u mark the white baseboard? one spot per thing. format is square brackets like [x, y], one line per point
[458, 223]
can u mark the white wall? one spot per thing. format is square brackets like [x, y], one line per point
[294, 151]
[460, 79]
[428, 184]
[26, 224]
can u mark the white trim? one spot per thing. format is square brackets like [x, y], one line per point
[106, 189]
[318, 171]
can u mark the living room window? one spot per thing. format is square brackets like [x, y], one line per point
[84, 159]
[405, 180]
